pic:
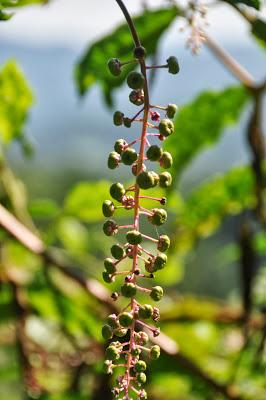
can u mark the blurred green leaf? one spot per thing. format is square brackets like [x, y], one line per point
[258, 28]
[251, 3]
[92, 67]
[43, 208]
[15, 100]
[201, 123]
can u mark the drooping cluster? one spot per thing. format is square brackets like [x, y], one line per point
[128, 331]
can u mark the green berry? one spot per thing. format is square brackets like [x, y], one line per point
[108, 278]
[141, 338]
[119, 145]
[165, 179]
[112, 321]
[120, 332]
[134, 237]
[145, 180]
[171, 110]
[135, 352]
[125, 319]
[140, 366]
[136, 97]
[117, 251]
[155, 352]
[129, 156]
[163, 243]
[145, 311]
[110, 228]
[154, 153]
[156, 293]
[158, 217]
[135, 80]
[114, 66]
[107, 332]
[149, 266]
[128, 290]
[108, 367]
[160, 261]
[127, 122]
[155, 178]
[108, 208]
[113, 160]
[166, 127]
[109, 266]
[118, 118]
[166, 160]
[140, 52]
[141, 378]
[117, 191]
[173, 65]
[112, 353]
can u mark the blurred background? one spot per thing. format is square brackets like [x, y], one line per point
[72, 137]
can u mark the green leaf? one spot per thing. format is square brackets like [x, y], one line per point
[92, 67]
[251, 3]
[201, 123]
[15, 100]
[258, 28]
[44, 208]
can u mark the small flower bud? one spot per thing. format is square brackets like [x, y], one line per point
[158, 217]
[137, 97]
[156, 314]
[109, 266]
[125, 319]
[154, 153]
[117, 191]
[108, 278]
[120, 332]
[140, 52]
[141, 378]
[171, 110]
[134, 168]
[114, 296]
[107, 332]
[140, 366]
[145, 311]
[110, 228]
[118, 118]
[113, 160]
[156, 293]
[129, 156]
[128, 202]
[143, 395]
[120, 145]
[135, 80]
[160, 261]
[165, 179]
[166, 127]
[108, 367]
[117, 251]
[112, 321]
[114, 66]
[155, 352]
[145, 180]
[112, 353]
[155, 116]
[156, 332]
[127, 122]
[108, 208]
[163, 243]
[173, 65]
[163, 201]
[134, 237]
[141, 338]
[166, 160]
[128, 290]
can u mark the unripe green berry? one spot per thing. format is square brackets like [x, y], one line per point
[155, 177]
[165, 179]
[108, 278]
[118, 118]
[134, 237]
[112, 321]
[159, 216]
[114, 66]
[117, 191]
[166, 160]
[129, 156]
[108, 208]
[145, 311]
[160, 261]
[109, 266]
[119, 145]
[140, 366]
[125, 319]
[141, 338]
[166, 127]
[149, 266]
[135, 80]
[156, 293]
[145, 180]
[173, 65]
[140, 52]
[171, 110]
[117, 251]
[112, 353]
[141, 378]
[127, 122]
[163, 243]
[136, 97]
[135, 352]
[128, 290]
[154, 153]
[110, 228]
[120, 332]
[155, 352]
[108, 367]
[113, 160]
[107, 332]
